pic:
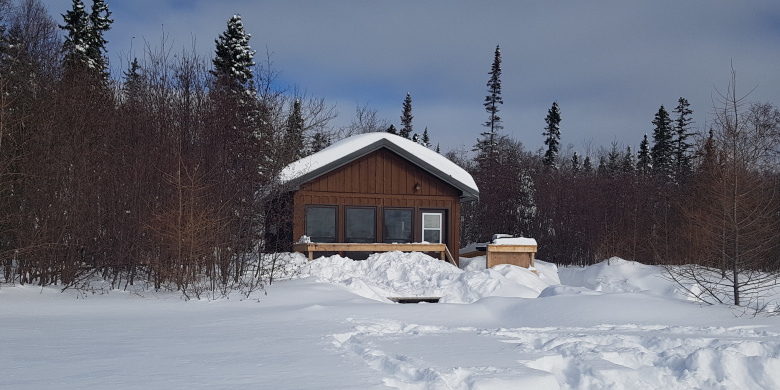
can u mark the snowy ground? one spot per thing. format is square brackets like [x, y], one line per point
[615, 325]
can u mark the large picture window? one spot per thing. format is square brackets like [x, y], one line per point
[360, 224]
[321, 223]
[432, 227]
[397, 225]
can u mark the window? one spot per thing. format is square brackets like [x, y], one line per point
[397, 226]
[321, 223]
[360, 224]
[432, 227]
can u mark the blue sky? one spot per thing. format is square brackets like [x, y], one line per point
[608, 64]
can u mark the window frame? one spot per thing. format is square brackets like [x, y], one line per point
[335, 220]
[442, 213]
[385, 239]
[346, 222]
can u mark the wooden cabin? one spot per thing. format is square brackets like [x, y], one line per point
[378, 192]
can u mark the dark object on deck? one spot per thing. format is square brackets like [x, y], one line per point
[414, 299]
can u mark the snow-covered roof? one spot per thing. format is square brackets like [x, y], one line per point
[352, 148]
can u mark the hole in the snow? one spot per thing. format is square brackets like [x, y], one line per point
[414, 299]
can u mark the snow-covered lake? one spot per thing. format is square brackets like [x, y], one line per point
[616, 325]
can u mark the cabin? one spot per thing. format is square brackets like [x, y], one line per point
[377, 192]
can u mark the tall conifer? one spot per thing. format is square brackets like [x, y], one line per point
[662, 152]
[553, 136]
[406, 117]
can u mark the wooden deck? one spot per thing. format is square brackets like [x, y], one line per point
[313, 247]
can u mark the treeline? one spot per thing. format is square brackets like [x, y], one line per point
[707, 199]
[158, 175]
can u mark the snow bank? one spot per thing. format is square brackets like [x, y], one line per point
[399, 274]
[618, 276]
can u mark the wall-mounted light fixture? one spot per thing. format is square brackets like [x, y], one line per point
[416, 187]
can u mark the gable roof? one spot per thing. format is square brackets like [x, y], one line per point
[356, 146]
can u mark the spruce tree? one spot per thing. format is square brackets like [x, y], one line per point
[234, 58]
[84, 43]
[587, 165]
[662, 152]
[644, 163]
[553, 136]
[294, 136]
[629, 161]
[100, 23]
[406, 117]
[416, 138]
[682, 127]
[426, 140]
[575, 163]
[79, 35]
[487, 146]
[614, 160]
[392, 130]
[319, 141]
[438, 149]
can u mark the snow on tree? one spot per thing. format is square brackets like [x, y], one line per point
[416, 138]
[234, 58]
[553, 136]
[629, 161]
[319, 141]
[426, 140]
[587, 165]
[575, 163]
[100, 23]
[84, 43]
[392, 130]
[487, 145]
[614, 160]
[682, 127]
[644, 163]
[662, 152]
[406, 117]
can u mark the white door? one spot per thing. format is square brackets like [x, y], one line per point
[432, 228]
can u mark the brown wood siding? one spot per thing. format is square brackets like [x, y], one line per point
[381, 172]
[381, 179]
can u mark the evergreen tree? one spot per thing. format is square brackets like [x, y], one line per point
[602, 169]
[100, 23]
[438, 149]
[294, 136]
[406, 117]
[553, 136]
[682, 147]
[575, 163]
[416, 138]
[662, 152]
[426, 140]
[319, 141]
[487, 146]
[234, 58]
[644, 163]
[613, 160]
[629, 161]
[587, 165]
[84, 43]
[392, 130]
[133, 82]
[79, 36]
